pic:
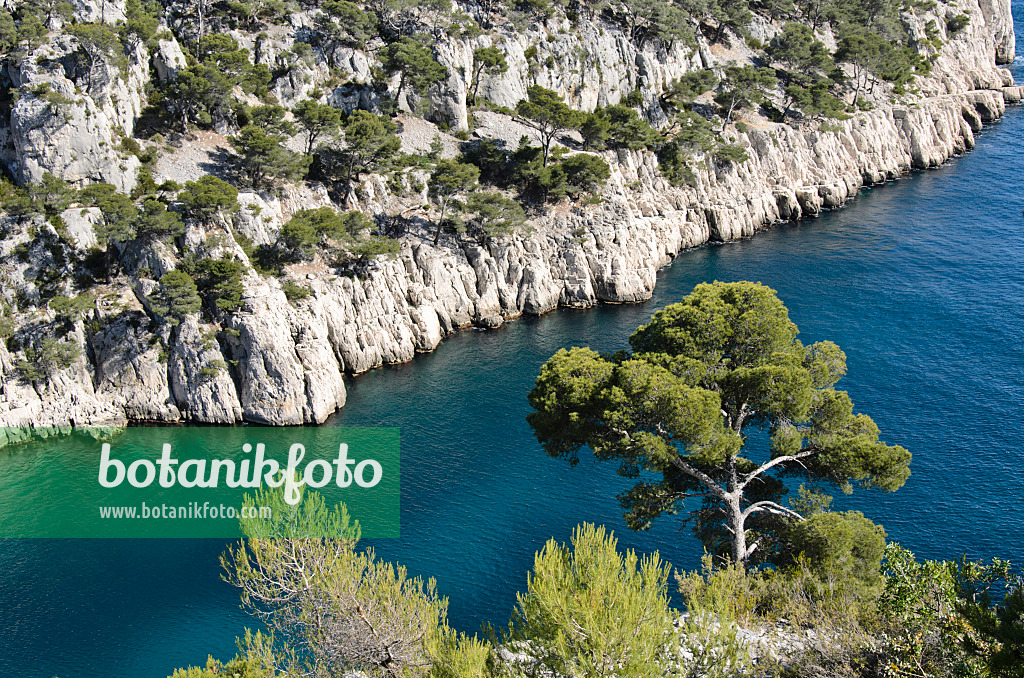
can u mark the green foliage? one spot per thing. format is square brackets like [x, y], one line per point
[344, 237]
[595, 129]
[8, 323]
[224, 53]
[456, 655]
[220, 280]
[489, 60]
[584, 173]
[156, 222]
[120, 216]
[343, 23]
[258, 662]
[730, 154]
[590, 610]
[370, 144]
[701, 372]
[176, 297]
[364, 250]
[732, 15]
[846, 545]
[29, 30]
[309, 230]
[262, 157]
[922, 630]
[449, 179]
[957, 23]
[415, 62]
[97, 42]
[71, 309]
[544, 111]
[200, 94]
[345, 610]
[53, 194]
[253, 14]
[815, 99]
[294, 291]
[318, 120]
[950, 618]
[744, 87]
[47, 358]
[673, 165]
[617, 126]
[645, 20]
[495, 216]
[270, 118]
[207, 197]
[203, 92]
[142, 21]
[997, 639]
[796, 47]
[491, 159]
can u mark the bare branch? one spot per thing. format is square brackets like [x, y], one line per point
[771, 507]
[802, 454]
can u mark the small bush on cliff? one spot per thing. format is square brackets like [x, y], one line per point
[449, 179]
[617, 126]
[156, 222]
[48, 357]
[71, 309]
[957, 23]
[414, 63]
[584, 173]
[176, 297]
[494, 216]
[370, 145]
[544, 111]
[220, 280]
[261, 157]
[208, 197]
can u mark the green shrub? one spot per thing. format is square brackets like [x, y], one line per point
[176, 297]
[207, 197]
[293, 291]
[955, 24]
[585, 173]
[730, 154]
[71, 309]
[47, 358]
[591, 610]
[221, 281]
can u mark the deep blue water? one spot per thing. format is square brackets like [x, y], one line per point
[921, 282]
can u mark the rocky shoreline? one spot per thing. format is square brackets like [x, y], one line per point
[285, 361]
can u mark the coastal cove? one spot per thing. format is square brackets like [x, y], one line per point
[920, 282]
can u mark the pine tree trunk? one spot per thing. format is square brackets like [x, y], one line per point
[736, 523]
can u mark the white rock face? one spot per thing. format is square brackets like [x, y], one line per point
[168, 59]
[130, 370]
[65, 128]
[199, 379]
[282, 363]
[81, 225]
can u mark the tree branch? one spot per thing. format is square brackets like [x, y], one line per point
[802, 454]
[771, 507]
[704, 478]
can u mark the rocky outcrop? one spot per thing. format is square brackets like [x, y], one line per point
[282, 362]
[69, 122]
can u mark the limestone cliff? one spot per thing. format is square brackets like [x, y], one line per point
[283, 362]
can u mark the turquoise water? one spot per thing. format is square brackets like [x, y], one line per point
[921, 282]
